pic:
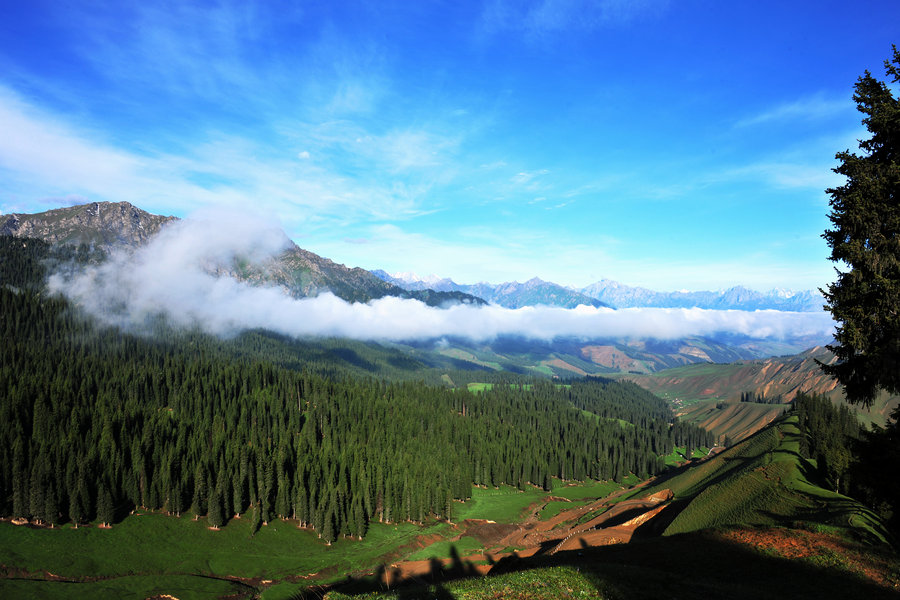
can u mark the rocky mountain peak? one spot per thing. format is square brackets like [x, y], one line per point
[98, 224]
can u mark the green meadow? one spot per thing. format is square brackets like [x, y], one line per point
[151, 554]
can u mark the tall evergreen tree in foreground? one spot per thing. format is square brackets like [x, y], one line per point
[865, 299]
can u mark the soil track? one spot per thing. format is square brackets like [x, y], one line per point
[615, 524]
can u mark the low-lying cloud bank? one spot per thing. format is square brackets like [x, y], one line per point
[174, 276]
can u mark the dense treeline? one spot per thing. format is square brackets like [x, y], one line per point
[874, 471]
[96, 422]
[632, 403]
[850, 459]
[830, 433]
[758, 398]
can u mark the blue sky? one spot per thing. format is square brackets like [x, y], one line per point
[671, 145]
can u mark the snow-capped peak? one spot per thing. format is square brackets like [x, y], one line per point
[410, 277]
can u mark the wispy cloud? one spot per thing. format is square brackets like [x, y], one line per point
[788, 175]
[818, 106]
[539, 17]
[37, 145]
[42, 150]
[176, 48]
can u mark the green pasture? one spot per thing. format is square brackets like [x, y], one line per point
[677, 455]
[183, 587]
[185, 554]
[551, 509]
[543, 584]
[505, 504]
[446, 548]
[480, 387]
[586, 490]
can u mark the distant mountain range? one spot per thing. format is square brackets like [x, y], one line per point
[107, 226]
[112, 227]
[738, 297]
[613, 294]
[511, 294]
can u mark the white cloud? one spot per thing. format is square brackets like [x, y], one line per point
[790, 175]
[39, 150]
[36, 145]
[173, 276]
[478, 253]
[805, 109]
[527, 177]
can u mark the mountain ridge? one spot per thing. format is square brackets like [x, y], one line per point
[98, 224]
[108, 226]
[510, 294]
[735, 297]
[613, 294]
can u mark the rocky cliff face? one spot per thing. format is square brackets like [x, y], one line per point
[101, 225]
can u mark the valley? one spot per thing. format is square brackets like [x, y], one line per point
[507, 534]
[542, 300]
[149, 456]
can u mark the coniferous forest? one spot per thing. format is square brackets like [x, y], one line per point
[97, 422]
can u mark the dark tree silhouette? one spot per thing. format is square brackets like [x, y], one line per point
[865, 299]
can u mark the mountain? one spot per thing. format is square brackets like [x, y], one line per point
[107, 226]
[783, 376]
[613, 294]
[132, 453]
[510, 294]
[103, 225]
[710, 395]
[738, 298]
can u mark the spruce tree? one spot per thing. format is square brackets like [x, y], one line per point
[865, 298]
[214, 510]
[105, 508]
[329, 534]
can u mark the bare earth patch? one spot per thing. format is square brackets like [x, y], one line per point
[615, 525]
[818, 547]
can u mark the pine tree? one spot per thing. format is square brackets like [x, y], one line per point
[50, 513]
[329, 533]
[105, 509]
[865, 299]
[214, 513]
[77, 502]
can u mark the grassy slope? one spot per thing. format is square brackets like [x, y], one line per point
[763, 483]
[709, 394]
[697, 566]
[183, 587]
[166, 549]
[735, 420]
[153, 554]
[504, 504]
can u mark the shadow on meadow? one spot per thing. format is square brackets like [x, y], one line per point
[702, 566]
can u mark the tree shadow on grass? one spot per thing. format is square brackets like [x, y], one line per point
[862, 522]
[700, 565]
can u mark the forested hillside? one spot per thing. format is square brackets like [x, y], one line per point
[97, 422]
